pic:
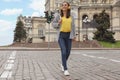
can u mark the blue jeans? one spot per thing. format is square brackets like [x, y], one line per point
[65, 44]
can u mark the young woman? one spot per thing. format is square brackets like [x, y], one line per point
[64, 23]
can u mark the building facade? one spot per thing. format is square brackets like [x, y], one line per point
[84, 12]
[87, 10]
[35, 27]
[39, 31]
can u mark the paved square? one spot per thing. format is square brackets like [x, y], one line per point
[45, 65]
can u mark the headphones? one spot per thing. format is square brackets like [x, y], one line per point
[68, 7]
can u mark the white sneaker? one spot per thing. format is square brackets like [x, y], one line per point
[66, 73]
[62, 67]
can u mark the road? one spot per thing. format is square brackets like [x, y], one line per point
[45, 65]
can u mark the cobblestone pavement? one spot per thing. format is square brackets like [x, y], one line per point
[45, 65]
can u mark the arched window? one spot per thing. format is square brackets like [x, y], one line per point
[94, 24]
[84, 16]
[94, 1]
[95, 16]
[84, 1]
[103, 1]
[85, 21]
[41, 31]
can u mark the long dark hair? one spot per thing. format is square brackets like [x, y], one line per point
[68, 11]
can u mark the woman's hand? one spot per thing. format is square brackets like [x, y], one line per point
[74, 39]
[60, 21]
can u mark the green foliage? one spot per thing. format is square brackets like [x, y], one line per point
[102, 33]
[110, 45]
[19, 32]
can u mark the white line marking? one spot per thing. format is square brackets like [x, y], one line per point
[14, 52]
[101, 57]
[10, 74]
[10, 61]
[5, 74]
[84, 54]
[89, 55]
[114, 60]
[11, 57]
[8, 66]
[92, 56]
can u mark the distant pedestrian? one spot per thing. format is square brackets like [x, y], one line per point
[64, 23]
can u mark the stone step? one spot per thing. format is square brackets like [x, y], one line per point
[75, 44]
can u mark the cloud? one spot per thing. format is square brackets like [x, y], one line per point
[35, 14]
[38, 5]
[6, 40]
[6, 32]
[5, 26]
[11, 0]
[11, 11]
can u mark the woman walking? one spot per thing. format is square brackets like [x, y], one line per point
[64, 23]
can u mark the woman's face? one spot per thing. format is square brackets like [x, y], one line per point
[65, 6]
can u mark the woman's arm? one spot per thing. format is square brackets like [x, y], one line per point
[73, 27]
[56, 21]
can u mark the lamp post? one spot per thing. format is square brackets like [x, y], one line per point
[49, 29]
[111, 18]
[86, 21]
[78, 24]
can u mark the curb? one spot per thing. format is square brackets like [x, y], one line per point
[44, 49]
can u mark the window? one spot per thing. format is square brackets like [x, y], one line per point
[85, 22]
[103, 1]
[84, 1]
[40, 33]
[94, 1]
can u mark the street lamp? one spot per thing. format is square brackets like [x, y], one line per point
[86, 21]
[78, 23]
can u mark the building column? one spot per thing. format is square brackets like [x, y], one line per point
[116, 22]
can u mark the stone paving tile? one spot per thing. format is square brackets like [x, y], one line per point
[45, 65]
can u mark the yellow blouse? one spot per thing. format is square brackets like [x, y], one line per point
[66, 24]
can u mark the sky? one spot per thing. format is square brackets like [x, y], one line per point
[10, 10]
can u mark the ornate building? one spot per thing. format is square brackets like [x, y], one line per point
[85, 12]
[35, 28]
[39, 31]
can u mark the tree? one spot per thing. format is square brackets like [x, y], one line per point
[103, 33]
[19, 32]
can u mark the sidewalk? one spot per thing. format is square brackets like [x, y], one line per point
[39, 49]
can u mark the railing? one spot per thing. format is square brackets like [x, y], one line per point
[94, 5]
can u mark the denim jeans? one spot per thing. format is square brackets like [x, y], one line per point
[65, 44]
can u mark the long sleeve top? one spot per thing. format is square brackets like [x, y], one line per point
[57, 26]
